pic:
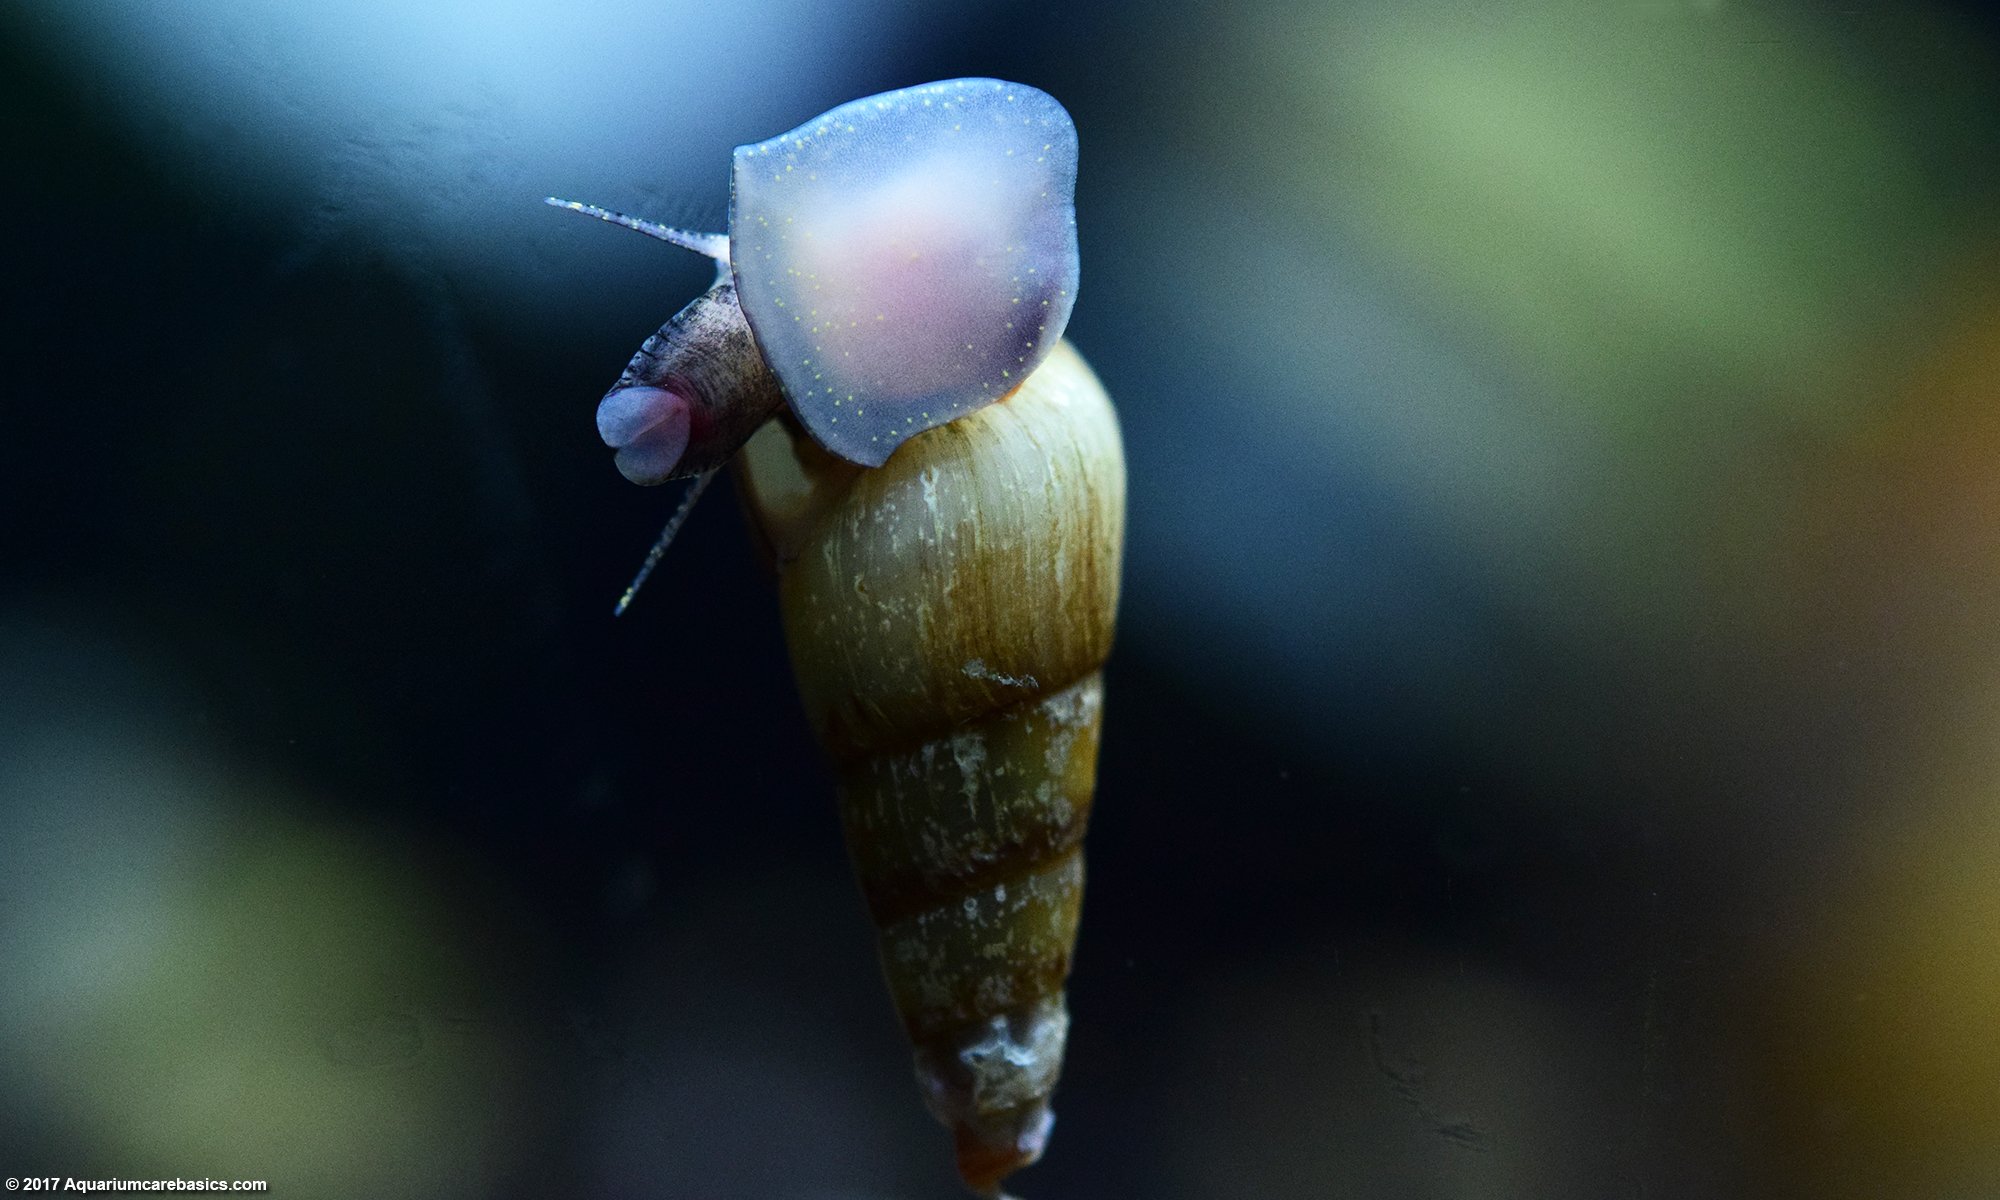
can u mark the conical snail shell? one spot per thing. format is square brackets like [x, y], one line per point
[948, 614]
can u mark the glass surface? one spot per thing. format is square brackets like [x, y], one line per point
[1549, 746]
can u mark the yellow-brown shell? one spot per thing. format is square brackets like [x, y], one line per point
[948, 614]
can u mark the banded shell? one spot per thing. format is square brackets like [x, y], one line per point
[948, 616]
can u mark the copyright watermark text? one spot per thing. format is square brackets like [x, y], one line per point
[64, 1183]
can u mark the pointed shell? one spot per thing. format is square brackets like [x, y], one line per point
[909, 257]
[947, 616]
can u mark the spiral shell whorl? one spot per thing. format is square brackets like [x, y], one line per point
[947, 615]
[969, 850]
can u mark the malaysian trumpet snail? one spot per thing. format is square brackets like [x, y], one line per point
[942, 494]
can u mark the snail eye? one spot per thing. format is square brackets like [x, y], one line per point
[909, 257]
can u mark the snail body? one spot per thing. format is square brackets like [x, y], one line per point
[943, 497]
[694, 392]
[903, 260]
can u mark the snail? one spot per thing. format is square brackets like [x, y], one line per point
[940, 485]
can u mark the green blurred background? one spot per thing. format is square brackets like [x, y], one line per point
[1553, 747]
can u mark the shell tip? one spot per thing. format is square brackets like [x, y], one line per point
[993, 1146]
[990, 1084]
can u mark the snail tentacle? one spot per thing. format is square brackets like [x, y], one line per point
[665, 539]
[709, 245]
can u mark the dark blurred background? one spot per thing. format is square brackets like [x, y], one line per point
[1553, 745]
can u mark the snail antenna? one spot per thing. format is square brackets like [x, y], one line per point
[659, 549]
[712, 245]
